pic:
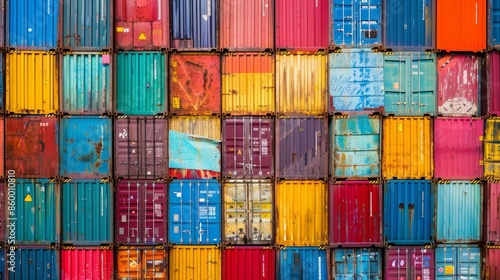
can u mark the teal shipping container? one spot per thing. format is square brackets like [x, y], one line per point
[361, 263]
[33, 263]
[458, 262]
[302, 263]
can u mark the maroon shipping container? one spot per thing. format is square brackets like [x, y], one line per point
[458, 148]
[492, 268]
[4, 192]
[86, 263]
[355, 214]
[141, 211]
[248, 263]
[248, 147]
[195, 84]
[492, 213]
[458, 84]
[490, 87]
[302, 146]
[31, 146]
[409, 263]
[141, 147]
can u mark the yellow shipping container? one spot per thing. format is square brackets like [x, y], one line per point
[195, 262]
[407, 151]
[301, 213]
[301, 83]
[203, 126]
[492, 149]
[32, 82]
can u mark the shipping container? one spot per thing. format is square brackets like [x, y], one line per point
[302, 263]
[355, 146]
[248, 86]
[458, 148]
[141, 25]
[407, 148]
[467, 34]
[195, 262]
[493, 24]
[32, 85]
[2, 150]
[195, 84]
[87, 212]
[492, 265]
[412, 262]
[355, 214]
[246, 25]
[492, 212]
[248, 212]
[360, 263]
[491, 149]
[410, 84]
[140, 83]
[86, 83]
[490, 84]
[301, 213]
[86, 25]
[408, 212]
[248, 147]
[302, 147]
[458, 212]
[32, 146]
[2, 262]
[32, 263]
[301, 83]
[458, 262]
[141, 147]
[32, 24]
[248, 263]
[140, 214]
[356, 24]
[302, 25]
[2, 71]
[194, 25]
[356, 81]
[87, 263]
[6, 188]
[2, 35]
[141, 263]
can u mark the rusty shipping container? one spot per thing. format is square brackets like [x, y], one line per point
[141, 263]
[248, 263]
[409, 262]
[492, 212]
[302, 262]
[195, 84]
[194, 24]
[492, 266]
[195, 262]
[490, 85]
[357, 263]
[491, 158]
[407, 148]
[34, 262]
[87, 263]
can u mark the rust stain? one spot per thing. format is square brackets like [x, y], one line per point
[98, 150]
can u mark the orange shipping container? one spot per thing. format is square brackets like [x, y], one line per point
[142, 262]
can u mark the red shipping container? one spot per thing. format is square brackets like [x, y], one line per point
[492, 201]
[3, 193]
[248, 263]
[86, 263]
[490, 89]
[2, 146]
[409, 263]
[458, 148]
[492, 268]
[31, 144]
[355, 214]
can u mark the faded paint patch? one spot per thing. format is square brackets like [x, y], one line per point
[458, 106]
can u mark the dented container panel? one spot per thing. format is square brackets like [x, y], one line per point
[302, 263]
[248, 263]
[194, 25]
[87, 263]
[458, 262]
[141, 263]
[492, 212]
[360, 263]
[195, 262]
[409, 263]
[35, 263]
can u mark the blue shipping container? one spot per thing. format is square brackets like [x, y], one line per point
[458, 262]
[494, 24]
[194, 24]
[302, 263]
[356, 24]
[2, 264]
[193, 152]
[408, 212]
[356, 80]
[362, 263]
[33, 263]
[194, 214]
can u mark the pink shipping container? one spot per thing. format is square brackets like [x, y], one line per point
[248, 263]
[409, 263]
[490, 85]
[458, 84]
[492, 268]
[87, 263]
[458, 148]
[492, 201]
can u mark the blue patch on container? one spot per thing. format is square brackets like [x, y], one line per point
[357, 264]
[302, 263]
[193, 152]
[194, 24]
[458, 262]
[31, 263]
[494, 24]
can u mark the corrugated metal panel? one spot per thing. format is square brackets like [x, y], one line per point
[32, 85]
[458, 212]
[86, 263]
[34, 263]
[356, 24]
[195, 84]
[248, 263]
[409, 263]
[458, 148]
[141, 147]
[195, 262]
[492, 149]
[302, 263]
[86, 82]
[6, 189]
[2, 149]
[492, 267]
[357, 264]
[86, 147]
[356, 81]
[355, 146]
[236, 32]
[302, 25]
[141, 212]
[490, 84]
[301, 213]
[407, 148]
[302, 146]
[32, 146]
[248, 212]
[301, 83]
[458, 262]
[248, 147]
[493, 27]
[141, 263]
[194, 25]
[207, 127]
[2, 71]
[492, 208]
[355, 214]
[37, 211]
[86, 24]
[140, 83]
[2, 31]
[410, 84]
[87, 215]
[32, 23]
[408, 212]
[2, 262]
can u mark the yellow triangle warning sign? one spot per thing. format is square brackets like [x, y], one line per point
[28, 198]
[142, 36]
[239, 152]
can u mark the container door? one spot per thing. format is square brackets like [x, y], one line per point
[261, 213]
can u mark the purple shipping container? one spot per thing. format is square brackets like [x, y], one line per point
[302, 146]
[490, 85]
[248, 147]
[409, 263]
